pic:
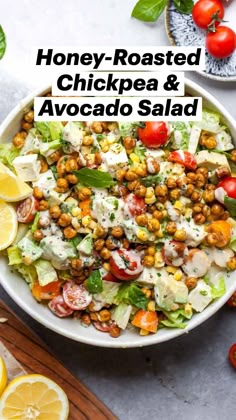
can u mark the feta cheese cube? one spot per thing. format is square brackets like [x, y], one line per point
[200, 296]
[73, 134]
[113, 161]
[27, 167]
[45, 182]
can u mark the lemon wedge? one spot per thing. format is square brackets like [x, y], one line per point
[8, 223]
[3, 375]
[12, 188]
[33, 397]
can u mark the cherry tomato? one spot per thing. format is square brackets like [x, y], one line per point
[26, 210]
[154, 134]
[205, 11]
[232, 355]
[229, 185]
[125, 264]
[111, 278]
[46, 292]
[146, 320]
[102, 326]
[221, 43]
[76, 296]
[59, 307]
[136, 205]
[232, 301]
[184, 158]
[174, 253]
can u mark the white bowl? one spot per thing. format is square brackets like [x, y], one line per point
[17, 288]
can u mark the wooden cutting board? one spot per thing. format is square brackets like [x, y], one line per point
[34, 357]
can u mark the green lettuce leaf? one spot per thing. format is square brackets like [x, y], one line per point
[28, 272]
[14, 255]
[131, 294]
[219, 290]
[94, 282]
[7, 154]
[45, 271]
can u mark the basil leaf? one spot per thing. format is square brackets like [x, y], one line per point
[148, 10]
[3, 42]
[130, 293]
[94, 178]
[184, 6]
[94, 282]
[230, 204]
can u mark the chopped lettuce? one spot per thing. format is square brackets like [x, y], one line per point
[7, 154]
[86, 245]
[210, 121]
[181, 135]
[108, 293]
[34, 226]
[45, 271]
[127, 128]
[29, 248]
[131, 294]
[140, 152]
[176, 319]
[122, 314]
[49, 130]
[14, 255]
[94, 282]
[32, 142]
[219, 290]
[28, 272]
[46, 149]
[232, 243]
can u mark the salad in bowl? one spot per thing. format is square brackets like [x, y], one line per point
[122, 226]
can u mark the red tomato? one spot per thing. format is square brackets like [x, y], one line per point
[76, 296]
[232, 301]
[136, 205]
[26, 210]
[206, 11]
[184, 158]
[229, 185]
[221, 43]
[111, 278]
[102, 326]
[154, 134]
[125, 264]
[232, 355]
[59, 307]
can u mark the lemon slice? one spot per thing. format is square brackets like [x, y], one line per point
[3, 375]
[33, 397]
[12, 188]
[8, 224]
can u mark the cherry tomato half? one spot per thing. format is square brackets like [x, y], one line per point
[76, 296]
[136, 205]
[184, 158]
[205, 11]
[229, 185]
[232, 301]
[111, 278]
[125, 264]
[59, 307]
[26, 210]
[221, 43]
[154, 134]
[232, 355]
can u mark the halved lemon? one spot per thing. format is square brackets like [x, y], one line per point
[12, 188]
[3, 375]
[8, 224]
[33, 397]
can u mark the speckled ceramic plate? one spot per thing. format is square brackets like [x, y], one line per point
[182, 31]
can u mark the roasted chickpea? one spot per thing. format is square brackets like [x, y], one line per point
[157, 214]
[87, 140]
[99, 231]
[199, 218]
[84, 193]
[196, 196]
[130, 175]
[55, 156]
[120, 174]
[206, 211]
[182, 182]
[141, 220]
[222, 172]
[141, 170]
[132, 185]
[38, 235]
[64, 220]
[125, 243]
[43, 205]
[114, 331]
[97, 127]
[231, 264]
[192, 177]
[201, 180]
[71, 165]
[55, 212]
[174, 194]
[203, 171]
[29, 116]
[104, 315]
[93, 316]
[85, 320]
[171, 228]
[208, 196]
[171, 183]
[37, 193]
[76, 264]
[153, 166]
[117, 232]
[197, 208]
[140, 191]
[210, 187]
[105, 253]
[72, 179]
[62, 184]
[148, 261]
[189, 190]
[44, 166]
[153, 225]
[225, 216]
[233, 155]
[26, 126]
[99, 244]
[19, 139]
[110, 243]
[191, 282]
[129, 142]
[151, 251]
[69, 232]
[180, 235]
[161, 190]
[217, 209]
[212, 239]
[208, 140]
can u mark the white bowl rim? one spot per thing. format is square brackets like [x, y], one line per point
[136, 341]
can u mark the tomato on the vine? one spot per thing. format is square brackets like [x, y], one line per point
[154, 134]
[207, 11]
[221, 43]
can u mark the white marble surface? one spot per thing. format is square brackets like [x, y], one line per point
[189, 378]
